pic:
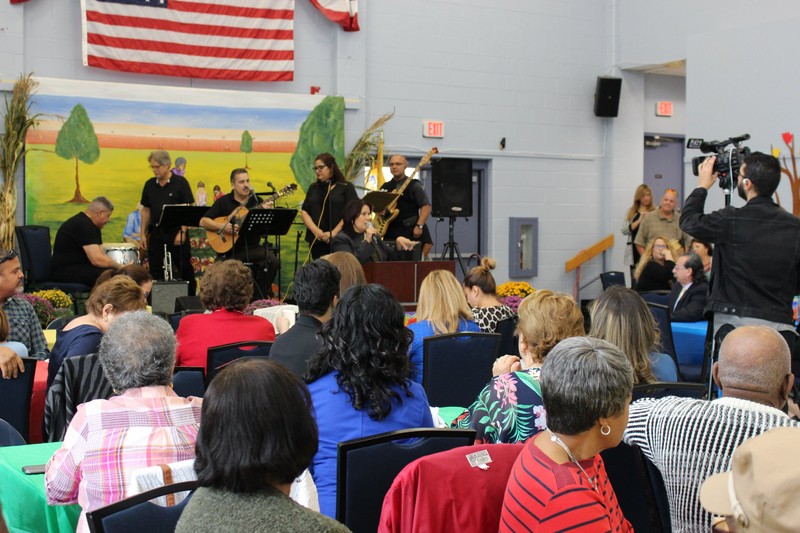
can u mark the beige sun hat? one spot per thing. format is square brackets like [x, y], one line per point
[762, 490]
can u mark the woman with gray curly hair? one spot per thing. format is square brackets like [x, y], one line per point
[225, 290]
[147, 424]
[559, 480]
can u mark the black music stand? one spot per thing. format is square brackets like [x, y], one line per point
[378, 201]
[181, 215]
[277, 221]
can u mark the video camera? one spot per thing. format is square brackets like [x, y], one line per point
[729, 160]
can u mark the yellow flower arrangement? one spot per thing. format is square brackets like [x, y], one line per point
[515, 288]
[58, 298]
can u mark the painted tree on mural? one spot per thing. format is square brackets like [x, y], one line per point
[246, 146]
[322, 131]
[791, 174]
[77, 140]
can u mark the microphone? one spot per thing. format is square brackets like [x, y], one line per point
[271, 186]
[374, 235]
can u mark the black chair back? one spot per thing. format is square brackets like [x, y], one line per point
[456, 366]
[59, 322]
[9, 436]
[189, 381]
[35, 257]
[137, 514]
[660, 389]
[664, 322]
[367, 467]
[35, 251]
[640, 496]
[219, 356]
[612, 278]
[15, 394]
[509, 342]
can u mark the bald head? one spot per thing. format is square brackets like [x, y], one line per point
[754, 364]
[397, 166]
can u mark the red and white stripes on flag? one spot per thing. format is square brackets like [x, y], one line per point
[342, 12]
[242, 40]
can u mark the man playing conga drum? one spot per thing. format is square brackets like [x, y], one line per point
[78, 249]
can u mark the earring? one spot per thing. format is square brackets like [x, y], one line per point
[605, 430]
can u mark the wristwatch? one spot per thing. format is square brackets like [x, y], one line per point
[420, 226]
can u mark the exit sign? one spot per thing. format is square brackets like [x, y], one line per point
[664, 109]
[433, 128]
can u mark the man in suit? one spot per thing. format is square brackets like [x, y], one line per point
[688, 297]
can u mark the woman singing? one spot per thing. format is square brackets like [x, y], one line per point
[359, 238]
[324, 203]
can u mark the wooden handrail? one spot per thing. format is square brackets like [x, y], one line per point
[584, 255]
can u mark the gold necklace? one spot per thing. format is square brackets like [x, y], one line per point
[590, 479]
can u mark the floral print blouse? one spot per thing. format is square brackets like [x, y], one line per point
[509, 409]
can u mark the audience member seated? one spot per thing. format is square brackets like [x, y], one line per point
[705, 250]
[559, 482]
[481, 291]
[226, 289]
[359, 381]
[621, 317]
[688, 297]
[654, 271]
[349, 269]
[509, 408]
[81, 336]
[137, 273]
[146, 425]
[257, 436]
[22, 321]
[689, 440]
[316, 291]
[759, 492]
[441, 309]
[359, 238]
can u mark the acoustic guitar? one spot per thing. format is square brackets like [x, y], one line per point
[222, 242]
[382, 223]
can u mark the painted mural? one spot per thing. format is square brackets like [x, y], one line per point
[95, 138]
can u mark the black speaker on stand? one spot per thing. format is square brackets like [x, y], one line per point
[452, 197]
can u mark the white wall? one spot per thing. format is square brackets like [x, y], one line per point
[522, 69]
[669, 88]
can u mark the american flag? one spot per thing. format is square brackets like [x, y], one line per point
[242, 40]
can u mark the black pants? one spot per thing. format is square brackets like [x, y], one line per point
[181, 258]
[263, 264]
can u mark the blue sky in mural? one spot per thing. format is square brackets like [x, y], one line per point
[102, 110]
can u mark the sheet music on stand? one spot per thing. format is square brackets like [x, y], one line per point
[276, 221]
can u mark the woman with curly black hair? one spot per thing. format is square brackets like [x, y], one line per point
[359, 381]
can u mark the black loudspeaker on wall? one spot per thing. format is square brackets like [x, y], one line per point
[606, 96]
[451, 187]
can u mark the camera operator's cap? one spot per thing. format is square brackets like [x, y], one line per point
[762, 490]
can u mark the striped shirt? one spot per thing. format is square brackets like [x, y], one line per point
[689, 440]
[545, 496]
[108, 440]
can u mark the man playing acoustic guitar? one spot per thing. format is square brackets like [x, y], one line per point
[413, 205]
[227, 215]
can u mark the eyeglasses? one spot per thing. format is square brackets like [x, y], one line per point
[10, 254]
[318, 168]
[660, 246]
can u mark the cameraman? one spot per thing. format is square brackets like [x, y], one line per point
[757, 247]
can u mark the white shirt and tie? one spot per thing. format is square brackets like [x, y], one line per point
[684, 288]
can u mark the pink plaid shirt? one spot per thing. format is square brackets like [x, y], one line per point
[107, 440]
